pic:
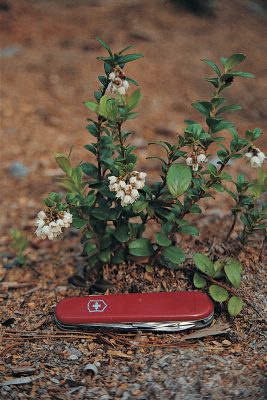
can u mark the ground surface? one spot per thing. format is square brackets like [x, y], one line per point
[48, 69]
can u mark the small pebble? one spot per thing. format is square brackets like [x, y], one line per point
[18, 170]
[73, 357]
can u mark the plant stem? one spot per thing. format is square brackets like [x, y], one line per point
[121, 139]
[234, 293]
[229, 289]
[232, 227]
[99, 131]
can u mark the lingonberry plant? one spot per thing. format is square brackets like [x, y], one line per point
[111, 202]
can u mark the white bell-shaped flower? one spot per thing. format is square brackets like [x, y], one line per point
[189, 161]
[201, 158]
[255, 162]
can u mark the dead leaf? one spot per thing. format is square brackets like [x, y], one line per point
[118, 353]
[218, 329]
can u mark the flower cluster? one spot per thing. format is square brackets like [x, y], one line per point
[197, 157]
[126, 187]
[255, 156]
[118, 82]
[50, 223]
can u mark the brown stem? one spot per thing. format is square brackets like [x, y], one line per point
[99, 131]
[99, 170]
[232, 227]
[121, 139]
[234, 293]
[226, 287]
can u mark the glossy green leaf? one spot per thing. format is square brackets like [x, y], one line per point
[238, 74]
[199, 281]
[204, 107]
[104, 255]
[162, 239]
[134, 99]
[105, 45]
[233, 60]
[230, 107]
[173, 254]
[63, 162]
[93, 106]
[129, 57]
[141, 247]
[89, 169]
[188, 230]
[139, 205]
[204, 264]
[213, 66]
[235, 305]
[233, 269]
[79, 222]
[179, 179]
[90, 248]
[122, 233]
[218, 293]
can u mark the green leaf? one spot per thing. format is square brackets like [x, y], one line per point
[235, 305]
[219, 125]
[204, 107]
[233, 60]
[204, 264]
[218, 267]
[48, 203]
[188, 230]
[118, 257]
[90, 248]
[63, 162]
[98, 94]
[93, 106]
[212, 169]
[218, 187]
[92, 129]
[89, 169]
[134, 99]
[104, 255]
[173, 254]
[139, 205]
[213, 66]
[179, 179]
[233, 269]
[256, 133]
[199, 281]
[130, 80]
[140, 247]
[103, 106]
[237, 73]
[122, 233]
[125, 49]
[162, 239]
[128, 58]
[55, 197]
[90, 148]
[218, 293]
[106, 214]
[230, 107]
[78, 222]
[213, 81]
[89, 200]
[104, 45]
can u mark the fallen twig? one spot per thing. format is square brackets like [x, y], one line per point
[15, 285]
